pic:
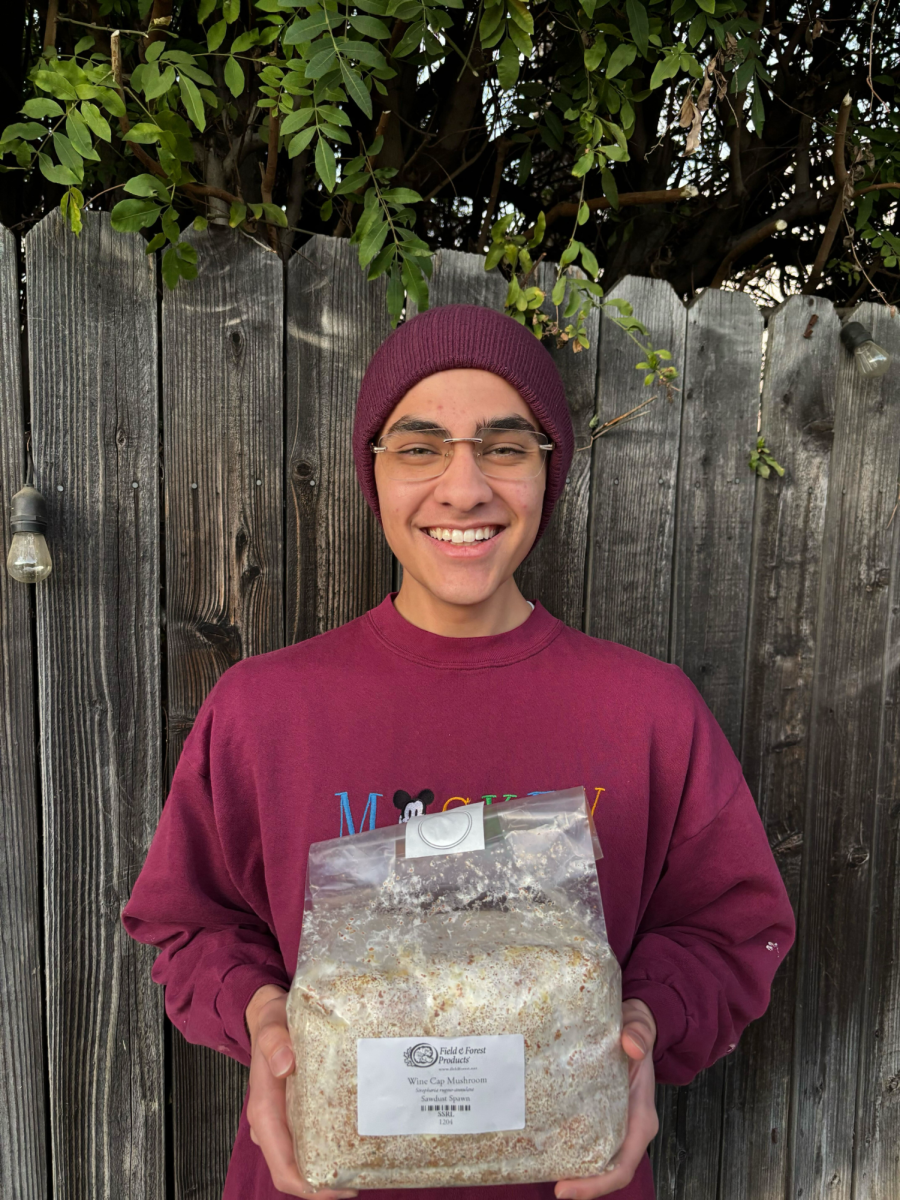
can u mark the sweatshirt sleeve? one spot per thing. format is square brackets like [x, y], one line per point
[215, 950]
[718, 922]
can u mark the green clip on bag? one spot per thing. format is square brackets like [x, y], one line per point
[456, 1010]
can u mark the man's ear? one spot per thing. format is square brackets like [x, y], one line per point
[401, 799]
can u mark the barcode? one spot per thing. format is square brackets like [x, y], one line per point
[442, 1108]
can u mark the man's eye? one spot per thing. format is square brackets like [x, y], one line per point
[416, 451]
[507, 451]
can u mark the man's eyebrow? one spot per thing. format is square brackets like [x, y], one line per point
[514, 421]
[416, 425]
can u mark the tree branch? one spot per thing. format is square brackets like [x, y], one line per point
[503, 145]
[837, 212]
[268, 180]
[568, 208]
[756, 235]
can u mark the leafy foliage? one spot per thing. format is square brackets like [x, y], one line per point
[644, 136]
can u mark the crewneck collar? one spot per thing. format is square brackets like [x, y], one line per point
[462, 653]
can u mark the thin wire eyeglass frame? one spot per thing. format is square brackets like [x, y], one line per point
[545, 447]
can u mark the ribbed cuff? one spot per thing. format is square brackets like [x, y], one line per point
[667, 1008]
[238, 989]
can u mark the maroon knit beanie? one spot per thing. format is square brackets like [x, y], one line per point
[463, 335]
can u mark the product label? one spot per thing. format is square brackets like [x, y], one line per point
[446, 832]
[440, 1085]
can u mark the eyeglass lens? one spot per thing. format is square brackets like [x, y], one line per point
[501, 454]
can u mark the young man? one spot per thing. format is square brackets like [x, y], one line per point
[455, 689]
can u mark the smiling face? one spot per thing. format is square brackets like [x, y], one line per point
[460, 536]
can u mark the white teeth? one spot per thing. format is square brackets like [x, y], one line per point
[460, 537]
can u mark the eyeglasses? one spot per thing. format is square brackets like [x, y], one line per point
[513, 454]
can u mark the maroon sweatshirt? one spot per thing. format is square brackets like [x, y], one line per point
[376, 720]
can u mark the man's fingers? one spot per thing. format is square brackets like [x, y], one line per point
[635, 1040]
[274, 1043]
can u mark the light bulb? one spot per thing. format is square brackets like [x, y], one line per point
[29, 559]
[871, 360]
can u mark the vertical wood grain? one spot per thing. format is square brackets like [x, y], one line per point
[710, 603]
[23, 1133]
[222, 402]
[338, 563]
[93, 345]
[797, 420]
[838, 867]
[876, 1168]
[634, 481]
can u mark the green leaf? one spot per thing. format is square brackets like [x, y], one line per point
[410, 40]
[54, 172]
[697, 29]
[234, 76]
[54, 83]
[623, 56]
[70, 206]
[146, 185]
[320, 63]
[610, 191]
[708, 6]
[508, 64]
[401, 195]
[570, 253]
[41, 107]
[307, 30]
[326, 166]
[356, 89]
[589, 262]
[154, 50]
[244, 41]
[95, 121]
[30, 131]
[666, 68]
[85, 43]
[296, 120]
[200, 224]
[301, 141]
[78, 134]
[372, 242]
[158, 83]
[639, 24]
[128, 216]
[193, 102]
[757, 108]
[171, 268]
[370, 26]
[68, 155]
[583, 212]
[236, 214]
[231, 10]
[216, 36]
[583, 164]
[275, 215]
[143, 132]
[204, 8]
[559, 291]
[111, 101]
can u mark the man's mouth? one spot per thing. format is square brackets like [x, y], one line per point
[461, 537]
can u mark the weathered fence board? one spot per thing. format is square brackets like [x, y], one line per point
[797, 420]
[778, 597]
[23, 1133]
[710, 603]
[93, 353]
[338, 564]
[632, 516]
[222, 337]
[844, 753]
[877, 1141]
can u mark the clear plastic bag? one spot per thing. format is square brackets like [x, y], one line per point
[456, 1018]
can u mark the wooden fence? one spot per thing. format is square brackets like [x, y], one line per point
[194, 449]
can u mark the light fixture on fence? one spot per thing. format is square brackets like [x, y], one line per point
[871, 359]
[29, 559]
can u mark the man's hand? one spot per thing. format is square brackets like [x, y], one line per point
[638, 1038]
[271, 1061]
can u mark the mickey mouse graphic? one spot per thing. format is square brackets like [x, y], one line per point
[410, 806]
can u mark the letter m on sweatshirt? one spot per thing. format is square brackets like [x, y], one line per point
[347, 816]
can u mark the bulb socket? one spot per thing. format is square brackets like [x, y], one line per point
[854, 334]
[29, 511]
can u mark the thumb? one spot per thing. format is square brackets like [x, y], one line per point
[274, 1042]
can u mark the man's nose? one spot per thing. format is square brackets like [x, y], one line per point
[463, 485]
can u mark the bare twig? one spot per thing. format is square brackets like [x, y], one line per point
[268, 180]
[875, 95]
[749, 240]
[568, 208]
[50, 25]
[841, 177]
[503, 144]
[607, 425]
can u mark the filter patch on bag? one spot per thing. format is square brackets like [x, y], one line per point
[449, 832]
